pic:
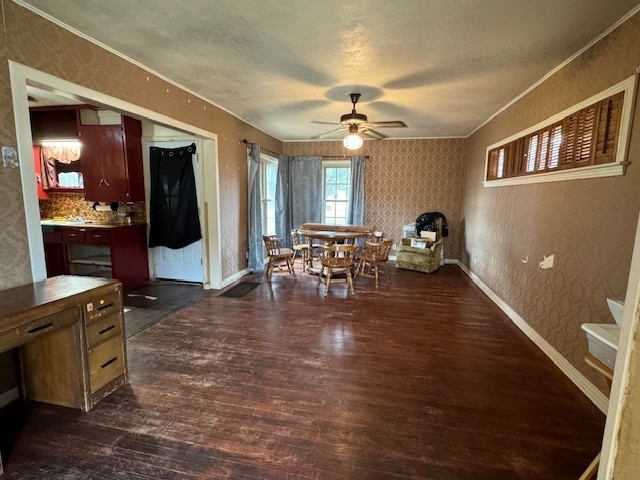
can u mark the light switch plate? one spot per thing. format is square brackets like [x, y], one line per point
[9, 157]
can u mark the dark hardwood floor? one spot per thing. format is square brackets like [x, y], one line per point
[424, 379]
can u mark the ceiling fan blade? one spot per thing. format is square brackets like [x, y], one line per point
[326, 134]
[323, 123]
[373, 134]
[389, 124]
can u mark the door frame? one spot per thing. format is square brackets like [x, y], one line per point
[20, 75]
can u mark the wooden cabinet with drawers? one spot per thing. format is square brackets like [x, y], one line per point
[70, 331]
[70, 335]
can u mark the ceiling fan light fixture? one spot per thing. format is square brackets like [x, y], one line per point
[353, 141]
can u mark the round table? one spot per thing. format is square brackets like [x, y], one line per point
[327, 236]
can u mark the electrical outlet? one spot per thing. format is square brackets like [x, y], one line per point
[246, 254]
[547, 262]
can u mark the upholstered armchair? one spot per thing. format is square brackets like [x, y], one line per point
[420, 259]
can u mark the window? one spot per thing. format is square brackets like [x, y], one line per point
[269, 175]
[590, 136]
[337, 188]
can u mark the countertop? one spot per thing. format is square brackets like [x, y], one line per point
[86, 224]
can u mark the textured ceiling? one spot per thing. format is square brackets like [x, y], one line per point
[441, 66]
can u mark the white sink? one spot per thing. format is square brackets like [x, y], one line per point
[603, 341]
[603, 338]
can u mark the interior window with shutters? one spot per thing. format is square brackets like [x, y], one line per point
[587, 137]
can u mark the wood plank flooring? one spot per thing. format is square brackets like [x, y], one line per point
[425, 378]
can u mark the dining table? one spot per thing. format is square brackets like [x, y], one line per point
[327, 237]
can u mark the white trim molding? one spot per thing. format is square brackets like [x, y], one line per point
[598, 398]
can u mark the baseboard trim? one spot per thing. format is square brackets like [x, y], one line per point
[598, 398]
[235, 277]
[9, 396]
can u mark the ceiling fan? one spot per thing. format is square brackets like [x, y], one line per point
[357, 123]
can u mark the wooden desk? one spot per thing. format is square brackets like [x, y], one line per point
[328, 236]
[70, 335]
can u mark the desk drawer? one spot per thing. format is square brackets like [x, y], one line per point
[98, 237]
[73, 235]
[106, 363]
[103, 329]
[101, 307]
[26, 333]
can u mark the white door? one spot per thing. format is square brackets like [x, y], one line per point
[183, 264]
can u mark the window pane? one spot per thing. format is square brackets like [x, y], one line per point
[331, 192]
[531, 154]
[331, 175]
[342, 192]
[341, 209]
[342, 175]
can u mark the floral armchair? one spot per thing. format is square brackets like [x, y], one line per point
[425, 259]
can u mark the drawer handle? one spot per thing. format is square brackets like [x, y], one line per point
[72, 234]
[106, 305]
[108, 362]
[105, 330]
[44, 326]
[97, 236]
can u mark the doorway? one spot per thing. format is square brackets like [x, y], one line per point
[21, 75]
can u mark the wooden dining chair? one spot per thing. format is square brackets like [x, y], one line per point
[336, 259]
[277, 255]
[300, 245]
[373, 258]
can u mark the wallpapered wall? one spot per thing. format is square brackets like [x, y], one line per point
[588, 224]
[404, 178]
[38, 43]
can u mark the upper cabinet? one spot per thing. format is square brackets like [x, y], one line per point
[107, 161]
[113, 158]
[54, 124]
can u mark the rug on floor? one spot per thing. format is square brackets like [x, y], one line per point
[240, 290]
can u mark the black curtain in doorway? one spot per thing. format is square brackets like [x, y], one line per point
[174, 204]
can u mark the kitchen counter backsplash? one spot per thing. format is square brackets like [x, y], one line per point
[71, 205]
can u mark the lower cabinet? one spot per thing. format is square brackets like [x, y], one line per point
[119, 252]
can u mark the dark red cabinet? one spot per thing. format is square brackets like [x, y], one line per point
[112, 164]
[118, 252]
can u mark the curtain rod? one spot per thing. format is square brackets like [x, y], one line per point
[328, 157]
[262, 149]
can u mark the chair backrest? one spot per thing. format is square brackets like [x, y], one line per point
[383, 249]
[342, 255]
[296, 238]
[271, 244]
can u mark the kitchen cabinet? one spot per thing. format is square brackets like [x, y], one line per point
[110, 251]
[54, 123]
[113, 161]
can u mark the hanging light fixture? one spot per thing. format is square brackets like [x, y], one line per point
[353, 141]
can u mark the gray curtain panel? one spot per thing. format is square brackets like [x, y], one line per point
[298, 194]
[256, 254]
[356, 210]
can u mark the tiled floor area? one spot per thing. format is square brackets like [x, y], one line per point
[147, 305]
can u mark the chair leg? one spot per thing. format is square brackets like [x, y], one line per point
[329, 273]
[358, 269]
[375, 271]
[386, 270]
[350, 280]
[268, 270]
[290, 266]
